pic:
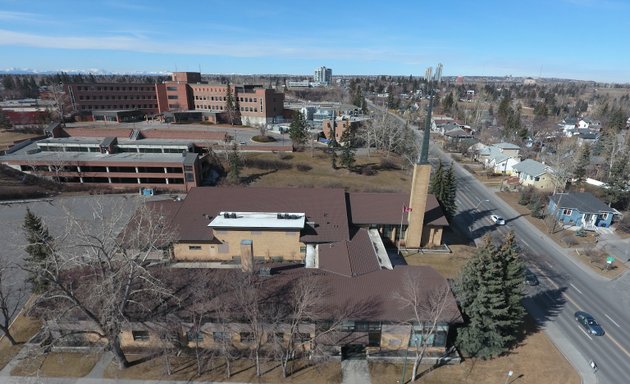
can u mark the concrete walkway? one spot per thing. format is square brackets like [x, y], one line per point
[355, 372]
[99, 368]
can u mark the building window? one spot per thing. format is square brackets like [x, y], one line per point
[567, 212]
[140, 335]
[603, 216]
[172, 97]
[220, 336]
[194, 335]
[194, 247]
[247, 337]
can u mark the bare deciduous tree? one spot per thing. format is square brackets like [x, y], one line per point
[12, 297]
[428, 310]
[98, 272]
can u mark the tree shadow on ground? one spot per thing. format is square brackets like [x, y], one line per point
[542, 307]
[256, 176]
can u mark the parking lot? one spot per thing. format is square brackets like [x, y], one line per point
[54, 213]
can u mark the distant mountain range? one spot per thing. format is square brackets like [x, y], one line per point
[93, 71]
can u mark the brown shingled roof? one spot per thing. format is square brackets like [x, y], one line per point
[325, 207]
[349, 258]
[386, 208]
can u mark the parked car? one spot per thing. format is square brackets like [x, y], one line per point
[587, 321]
[498, 220]
[530, 278]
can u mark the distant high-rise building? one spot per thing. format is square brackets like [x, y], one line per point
[428, 73]
[438, 73]
[323, 75]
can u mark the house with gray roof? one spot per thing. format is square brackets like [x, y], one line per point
[500, 157]
[580, 209]
[535, 174]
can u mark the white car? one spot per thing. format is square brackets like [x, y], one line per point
[498, 220]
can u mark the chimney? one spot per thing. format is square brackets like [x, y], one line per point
[247, 256]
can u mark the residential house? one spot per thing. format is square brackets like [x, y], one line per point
[568, 126]
[580, 209]
[535, 174]
[500, 157]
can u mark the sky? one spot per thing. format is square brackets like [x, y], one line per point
[573, 39]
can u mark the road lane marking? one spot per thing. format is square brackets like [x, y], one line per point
[613, 321]
[584, 332]
[576, 288]
[617, 344]
[525, 242]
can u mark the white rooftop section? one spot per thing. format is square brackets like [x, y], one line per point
[259, 220]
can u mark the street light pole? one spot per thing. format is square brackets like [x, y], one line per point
[507, 379]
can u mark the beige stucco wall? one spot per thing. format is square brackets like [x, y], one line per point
[432, 236]
[266, 243]
[544, 184]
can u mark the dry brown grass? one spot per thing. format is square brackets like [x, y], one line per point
[243, 370]
[22, 329]
[449, 264]
[324, 176]
[7, 138]
[57, 364]
[535, 361]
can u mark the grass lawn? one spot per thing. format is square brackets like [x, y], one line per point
[23, 329]
[243, 370]
[322, 174]
[57, 364]
[535, 361]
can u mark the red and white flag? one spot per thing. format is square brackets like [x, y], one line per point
[406, 209]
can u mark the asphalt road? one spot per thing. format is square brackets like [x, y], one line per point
[565, 285]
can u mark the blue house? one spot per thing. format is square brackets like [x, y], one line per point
[580, 209]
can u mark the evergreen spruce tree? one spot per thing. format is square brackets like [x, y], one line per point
[231, 105]
[583, 160]
[236, 163]
[297, 130]
[450, 193]
[40, 247]
[444, 187]
[347, 151]
[437, 181]
[490, 294]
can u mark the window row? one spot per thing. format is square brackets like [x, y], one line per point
[119, 106]
[113, 88]
[126, 97]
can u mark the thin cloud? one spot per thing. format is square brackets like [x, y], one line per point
[256, 48]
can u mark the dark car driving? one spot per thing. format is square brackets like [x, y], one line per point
[587, 321]
[530, 278]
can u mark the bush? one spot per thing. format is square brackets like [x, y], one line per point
[570, 240]
[302, 167]
[267, 164]
[284, 156]
[263, 139]
[368, 170]
[388, 164]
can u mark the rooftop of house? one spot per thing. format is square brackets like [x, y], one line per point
[584, 202]
[506, 146]
[532, 168]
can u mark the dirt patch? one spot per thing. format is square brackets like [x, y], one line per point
[57, 364]
[535, 361]
[243, 370]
